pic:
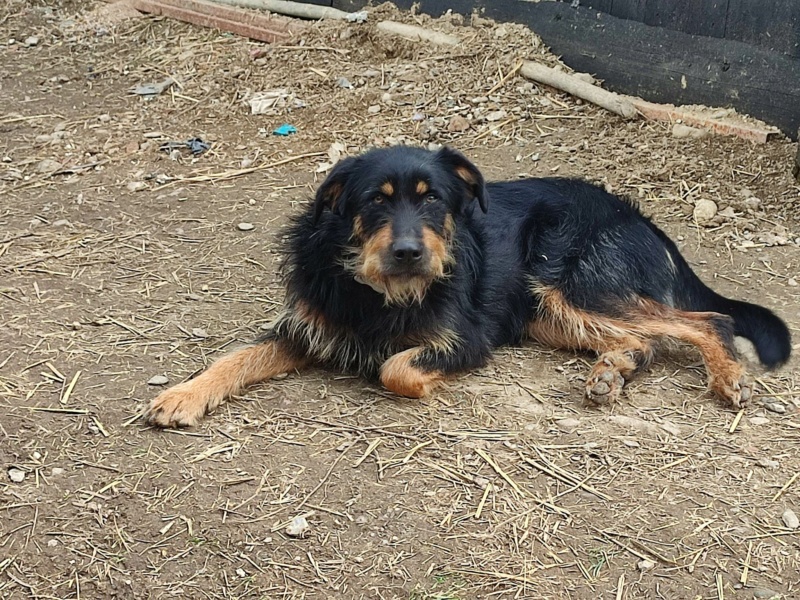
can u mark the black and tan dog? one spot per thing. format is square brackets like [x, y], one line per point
[409, 268]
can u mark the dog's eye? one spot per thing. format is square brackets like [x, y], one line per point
[378, 199]
[431, 198]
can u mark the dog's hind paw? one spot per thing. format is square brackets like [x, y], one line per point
[738, 391]
[179, 406]
[604, 384]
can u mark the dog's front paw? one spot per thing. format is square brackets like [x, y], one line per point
[604, 385]
[180, 406]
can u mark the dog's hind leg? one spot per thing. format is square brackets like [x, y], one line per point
[186, 403]
[624, 342]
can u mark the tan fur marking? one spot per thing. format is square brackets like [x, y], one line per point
[186, 403]
[449, 227]
[372, 254]
[467, 175]
[309, 315]
[564, 326]
[387, 188]
[422, 187]
[400, 376]
[358, 227]
[334, 191]
[439, 251]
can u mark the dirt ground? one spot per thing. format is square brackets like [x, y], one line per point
[121, 262]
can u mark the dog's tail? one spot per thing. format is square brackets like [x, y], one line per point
[768, 333]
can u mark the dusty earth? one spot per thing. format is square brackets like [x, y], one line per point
[121, 262]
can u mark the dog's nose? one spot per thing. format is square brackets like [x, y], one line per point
[407, 251]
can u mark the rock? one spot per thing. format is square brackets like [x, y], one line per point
[52, 543]
[374, 109]
[567, 424]
[496, 115]
[758, 420]
[241, 572]
[32, 41]
[386, 98]
[16, 475]
[760, 592]
[792, 282]
[767, 463]
[684, 131]
[645, 565]
[458, 123]
[773, 405]
[199, 333]
[704, 210]
[158, 380]
[45, 138]
[48, 166]
[57, 471]
[298, 527]
[245, 226]
[344, 82]
[790, 519]
[60, 223]
[136, 186]
[151, 135]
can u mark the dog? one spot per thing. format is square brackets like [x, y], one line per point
[408, 268]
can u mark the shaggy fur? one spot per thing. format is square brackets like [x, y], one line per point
[408, 268]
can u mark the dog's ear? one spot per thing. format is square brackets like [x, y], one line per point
[462, 168]
[330, 193]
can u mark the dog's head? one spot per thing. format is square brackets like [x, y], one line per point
[402, 205]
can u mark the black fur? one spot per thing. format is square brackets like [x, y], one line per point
[598, 250]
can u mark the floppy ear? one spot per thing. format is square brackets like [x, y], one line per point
[462, 168]
[329, 193]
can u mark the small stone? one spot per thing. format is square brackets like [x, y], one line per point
[158, 380]
[60, 223]
[457, 123]
[790, 519]
[568, 424]
[32, 41]
[344, 82]
[199, 333]
[246, 162]
[240, 572]
[774, 406]
[765, 593]
[57, 471]
[48, 166]
[136, 186]
[371, 73]
[759, 421]
[131, 147]
[631, 443]
[298, 527]
[767, 463]
[679, 130]
[45, 138]
[386, 98]
[496, 115]
[645, 565]
[52, 543]
[245, 226]
[16, 475]
[704, 210]
[374, 109]
[362, 520]
[152, 135]
[792, 282]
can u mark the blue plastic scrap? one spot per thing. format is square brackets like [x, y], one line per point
[285, 129]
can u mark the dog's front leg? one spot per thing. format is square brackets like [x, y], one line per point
[415, 372]
[186, 403]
